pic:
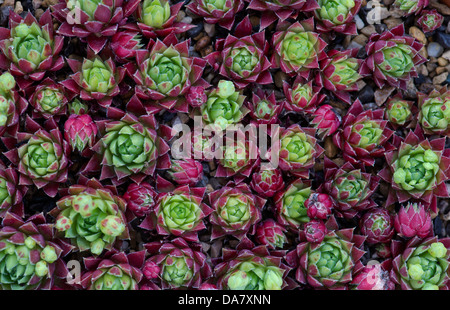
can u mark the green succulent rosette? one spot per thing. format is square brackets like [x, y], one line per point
[337, 15]
[91, 216]
[411, 6]
[224, 106]
[398, 111]
[49, 99]
[11, 104]
[290, 206]
[251, 276]
[422, 265]
[155, 13]
[434, 112]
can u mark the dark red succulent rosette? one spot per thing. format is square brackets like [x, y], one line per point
[147, 93]
[374, 49]
[326, 120]
[307, 273]
[97, 29]
[141, 198]
[350, 138]
[77, 84]
[346, 24]
[22, 67]
[430, 20]
[267, 182]
[15, 230]
[377, 225]
[163, 253]
[350, 186]
[297, 102]
[269, 112]
[224, 18]
[280, 10]
[57, 170]
[124, 44]
[374, 276]
[329, 78]
[238, 227]
[165, 220]
[222, 60]
[115, 263]
[37, 95]
[12, 193]
[428, 196]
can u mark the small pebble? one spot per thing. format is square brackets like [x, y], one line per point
[18, 8]
[441, 78]
[418, 34]
[443, 39]
[434, 49]
[442, 62]
[210, 29]
[359, 22]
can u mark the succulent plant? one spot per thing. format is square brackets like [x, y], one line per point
[297, 48]
[129, 147]
[330, 264]
[196, 96]
[434, 112]
[302, 96]
[267, 182]
[319, 206]
[141, 198]
[411, 6]
[270, 234]
[412, 220]
[364, 135]
[340, 72]
[326, 120]
[180, 213]
[337, 15]
[298, 150]
[290, 210]
[250, 267]
[43, 157]
[236, 211]
[430, 20]
[399, 111]
[11, 105]
[392, 58]
[242, 57]
[164, 74]
[224, 105]
[30, 255]
[125, 43]
[417, 169]
[278, 11]
[91, 216]
[93, 21]
[11, 193]
[374, 276]
[421, 264]
[29, 47]
[350, 187]
[49, 99]
[181, 264]
[185, 171]
[377, 225]
[113, 271]
[315, 231]
[217, 12]
[264, 107]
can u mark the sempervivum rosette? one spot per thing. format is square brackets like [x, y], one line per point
[413, 219]
[411, 6]
[434, 112]
[377, 225]
[43, 158]
[251, 268]
[94, 21]
[11, 105]
[350, 187]
[165, 73]
[337, 15]
[417, 169]
[180, 213]
[290, 209]
[11, 193]
[217, 12]
[364, 135]
[430, 20]
[113, 271]
[374, 276]
[339, 73]
[421, 264]
[49, 99]
[266, 182]
[185, 171]
[270, 234]
[297, 48]
[30, 256]
[280, 10]
[331, 263]
[95, 79]
[298, 150]
[158, 18]
[398, 111]
[179, 264]
[236, 210]
[264, 108]
[29, 47]
[91, 216]
[141, 198]
[319, 206]
[302, 96]
[241, 56]
[392, 58]
[326, 120]
[129, 147]
[125, 43]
